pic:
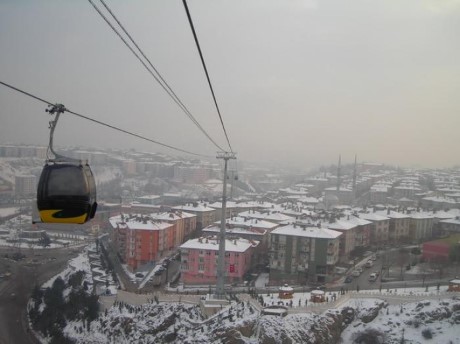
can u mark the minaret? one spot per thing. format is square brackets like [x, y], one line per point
[338, 173]
[354, 179]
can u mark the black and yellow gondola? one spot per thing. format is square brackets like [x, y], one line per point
[66, 191]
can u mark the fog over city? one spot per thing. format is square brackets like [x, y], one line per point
[297, 82]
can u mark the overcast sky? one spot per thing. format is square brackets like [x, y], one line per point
[297, 81]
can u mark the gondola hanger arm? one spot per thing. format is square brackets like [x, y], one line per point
[57, 110]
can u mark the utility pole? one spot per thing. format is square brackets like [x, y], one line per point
[220, 290]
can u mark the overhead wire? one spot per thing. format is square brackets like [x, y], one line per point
[105, 124]
[158, 78]
[206, 70]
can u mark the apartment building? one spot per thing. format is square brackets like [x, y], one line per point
[184, 224]
[25, 185]
[205, 215]
[299, 253]
[141, 240]
[199, 260]
[398, 227]
[231, 209]
[421, 226]
[356, 233]
[380, 226]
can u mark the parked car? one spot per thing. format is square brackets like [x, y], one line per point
[369, 264]
[373, 277]
[349, 279]
[356, 273]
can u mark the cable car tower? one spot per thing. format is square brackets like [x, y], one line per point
[220, 289]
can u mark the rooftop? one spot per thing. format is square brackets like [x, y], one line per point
[307, 232]
[212, 244]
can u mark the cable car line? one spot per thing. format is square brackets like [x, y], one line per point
[157, 77]
[26, 93]
[206, 70]
[106, 124]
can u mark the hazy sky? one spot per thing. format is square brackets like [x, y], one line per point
[297, 81]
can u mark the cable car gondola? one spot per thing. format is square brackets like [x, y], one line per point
[66, 191]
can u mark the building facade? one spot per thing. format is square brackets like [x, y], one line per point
[299, 254]
[199, 260]
[140, 240]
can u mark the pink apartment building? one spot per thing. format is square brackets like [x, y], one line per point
[199, 259]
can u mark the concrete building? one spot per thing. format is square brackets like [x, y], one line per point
[344, 195]
[379, 194]
[299, 254]
[25, 185]
[399, 226]
[140, 240]
[404, 191]
[185, 224]
[245, 232]
[421, 226]
[231, 209]
[205, 215]
[451, 226]
[199, 260]
[380, 227]
[192, 174]
[356, 233]
[129, 167]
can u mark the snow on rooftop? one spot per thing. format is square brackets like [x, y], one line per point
[172, 215]
[212, 244]
[139, 222]
[393, 214]
[373, 217]
[307, 232]
[197, 207]
[249, 222]
[218, 205]
[236, 230]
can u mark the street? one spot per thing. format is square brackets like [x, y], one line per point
[37, 267]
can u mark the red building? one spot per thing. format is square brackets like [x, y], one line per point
[435, 249]
[440, 248]
[141, 240]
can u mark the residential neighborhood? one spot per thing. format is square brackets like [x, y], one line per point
[305, 233]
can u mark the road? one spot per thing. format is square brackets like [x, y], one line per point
[15, 290]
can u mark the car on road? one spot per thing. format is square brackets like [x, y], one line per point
[356, 273]
[348, 279]
[373, 277]
[369, 263]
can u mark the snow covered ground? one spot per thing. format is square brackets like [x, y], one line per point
[433, 315]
